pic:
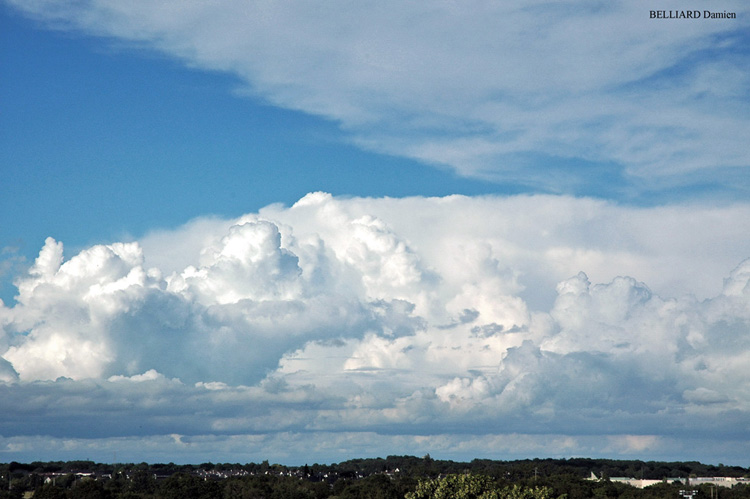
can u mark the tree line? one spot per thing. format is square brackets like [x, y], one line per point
[394, 477]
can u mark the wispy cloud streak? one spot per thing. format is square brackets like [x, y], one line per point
[505, 92]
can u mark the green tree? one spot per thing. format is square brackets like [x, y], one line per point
[181, 486]
[49, 491]
[469, 486]
[88, 489]
[142, 482]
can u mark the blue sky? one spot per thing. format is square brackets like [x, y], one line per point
[105, 141]
[489, 231]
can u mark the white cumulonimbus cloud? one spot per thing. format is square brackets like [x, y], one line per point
[435, 318]
[493, 90]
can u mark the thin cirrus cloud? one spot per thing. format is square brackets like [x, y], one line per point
[438, 325]
[505, 92]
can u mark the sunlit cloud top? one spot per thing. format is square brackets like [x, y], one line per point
[282, 230]
[428, 321]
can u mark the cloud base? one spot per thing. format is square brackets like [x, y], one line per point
[464, 327]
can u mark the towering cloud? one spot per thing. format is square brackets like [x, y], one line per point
[418, 316]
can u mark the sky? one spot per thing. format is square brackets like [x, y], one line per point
[234, 231]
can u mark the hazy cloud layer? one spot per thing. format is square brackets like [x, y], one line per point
[463, 326]
[510, 92]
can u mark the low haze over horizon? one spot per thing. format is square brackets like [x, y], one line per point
[235, 231]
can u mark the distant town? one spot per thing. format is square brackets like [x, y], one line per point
[394, 477]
